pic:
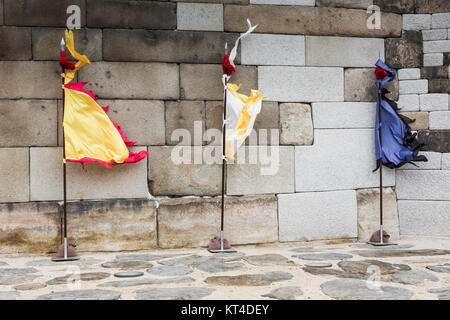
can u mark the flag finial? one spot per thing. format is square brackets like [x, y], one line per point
[226, 47]
[63, 44]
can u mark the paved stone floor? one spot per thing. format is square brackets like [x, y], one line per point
[417, 268]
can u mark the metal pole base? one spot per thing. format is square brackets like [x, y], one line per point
[381, 244]
[64, 255]
[59, 259]
[229, 250]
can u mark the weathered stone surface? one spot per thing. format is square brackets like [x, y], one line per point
[88, 294]
[199, 16]
[318, 265]
[113, 225]
[436, 34]
[1, 12]
[416, 21]
[343, 51]
[442, 293]
[432, 6]
[434, 72]
[86, 276]
[8, 272]
[249, 279]
[364, 268]
[401, 253]
[439, 120]
[194, 222]
[14, 170]
[360, 85]
[413, 87]
[10, 48]
[141, 120]
[446, 161]
[409, 74]
[408, 102]
[439, 85]
[33, 74]
[433, 59]
[216, 1]
[423, 185]
[9, 280]
[8, 295]
[413, 277]
[444, 268]
[128, 80]
[285, 2]
[296, 124]
[125, 264]
[187, 293]
[440, 20]
[146, 257]
[143, 282]
[190, 261]
[185, 115]
[437, 46]
[269, 49]
[131, 14]
[284, 293]
[350, 4]
[324, 256]
[165, 46]
[2, 264]
[214, 265]
[170, 271]
[128, 274]
[169, 176]
[398, 6]
[304, 249]
[30, 286]
[351, 151]
[436, 140]
[87, 42]
[368, 213]
[353, 289]
[405, 52]
[335, 115]
[421, 120]
[269, 260]
[262, 170]
[28, 123]
[433, 163]
[308, 84]
[97, 182]
[83, 262]
[29, 227]
[306, 216]
[317, 21]
[46, 13]
[203, 82]
[425, 218]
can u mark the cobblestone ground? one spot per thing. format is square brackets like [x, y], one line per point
[417, 268]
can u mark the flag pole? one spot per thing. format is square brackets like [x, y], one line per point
[63, 251]
[381, 166]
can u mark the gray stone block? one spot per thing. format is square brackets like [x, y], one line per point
[433, 163]
[308, 84]
[440, 120]
[424, 218]
[28, 123]
[433, 59]
[15, 44]
[446, 161]
[344, 115]
[340, 159]
[343, 51]
[434, 102]
[437, 46]
[440, 20]
[15, 173]
[408, 102]
[351, 4]
[423, 184]
[185, 115]
[260, 170]
[404, 52]
[360, 85]
[200, 16]
[317, 215]
[296, 124]
[413, 86]
[409, 74]
[97, 182]
[436, 34]
[127, 80]
[285, 2]
[416, 21]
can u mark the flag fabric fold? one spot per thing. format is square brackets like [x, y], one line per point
[399, 145]
[89, 134]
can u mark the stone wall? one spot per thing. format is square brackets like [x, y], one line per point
[157, 64]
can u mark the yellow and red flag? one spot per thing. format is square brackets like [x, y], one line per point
[89, 134]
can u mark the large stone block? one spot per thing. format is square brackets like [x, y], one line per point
[131, 14]
[360, 85]
[127, 80]
[46, 41]
[416, 21]
[141, 120]
[439, 86]
[185, 115]
[413, 86]
[433, 102]
[409, 74]
[197, 175]
[423, 185]
[166, 46]
[15, 173]
[285, 2]
[308, 84]
[28, 123]
[408, 102]
[296, 124]
[32, 227]
[193, 222]
[340, 159]
[440, 20]
[260, 170]
[433, 59]
[269, 49]
[440, 120]
[30, 79]
[424, 218]
[433, 163]
[97, 182]
[319, 21]
[404, 52]
[437, 46]
[421, 120]
[343, 51]
[200, 16]
[435, 34]
[1, 12]
[432, 6]
[317, 215]
[445, 161]
[350, 4]
[344, 115]
[204, 81]
[435, 140]
[11, 48]
[112, 225]
[45, 13]
[369, 213]
[397, 6]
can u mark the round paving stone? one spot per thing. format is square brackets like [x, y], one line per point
[413, 277]
[147, 257]
[318, 265]
[170, 271]
[129, 274]
[88, 276]
[269, 260]
[16, 271]
[214, 265]
[8, 295]
[445, 268]
[284, 293]
[324, 256]
[184, 293]
[30, 286]
[49, 263]
[14, 280]
[89, 294]
[125, 264]
[304, 249]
